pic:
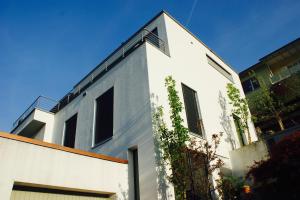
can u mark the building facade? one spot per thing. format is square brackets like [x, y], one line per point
[280, 72]
[110, 110]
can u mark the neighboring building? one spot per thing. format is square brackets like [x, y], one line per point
[110, 110]
[279, 71]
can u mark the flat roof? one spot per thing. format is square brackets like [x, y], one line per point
[145, 25]
[283, 48]
[272, 55]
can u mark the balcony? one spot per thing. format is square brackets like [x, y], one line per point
[35, 116]
[112, 60]
[285, 72]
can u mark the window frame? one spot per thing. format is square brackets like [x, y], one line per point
[65, 128]
[200, 119]
[240, 133]
[250, 79]
[94, 144]
[212, 62]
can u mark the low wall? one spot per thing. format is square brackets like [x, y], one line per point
[245, 157]
[32, 162]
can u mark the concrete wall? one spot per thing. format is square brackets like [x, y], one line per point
[38, 117]
[132, 118]
[132, 115]
[48, 119]
[244, 157]
[188, 64]
[33, 164]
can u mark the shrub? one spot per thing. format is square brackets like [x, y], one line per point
[278, 177]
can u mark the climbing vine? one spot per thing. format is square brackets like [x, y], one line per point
[240, 108]
[187, 157]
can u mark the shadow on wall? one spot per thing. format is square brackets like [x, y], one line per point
[124, 194]
[226, 121]
[160, 167]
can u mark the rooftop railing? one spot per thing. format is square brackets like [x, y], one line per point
[42, 103]
[122, 52]
[114, 58]
[49, 105]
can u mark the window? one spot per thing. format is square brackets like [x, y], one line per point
[104, 116]
[70, 132]
[135, 159]
[239, 130]
[191, 108]
[219, 68]
[250, 85]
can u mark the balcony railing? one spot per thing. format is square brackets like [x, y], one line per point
[125, 49]
[286, 72]
[42, 103]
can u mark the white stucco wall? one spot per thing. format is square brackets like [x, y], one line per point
[188, 64]
[132, 117]
[32, 164]
[246, 156]
[46, 132]
[48, 119]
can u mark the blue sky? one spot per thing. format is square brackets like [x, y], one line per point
[48, 46]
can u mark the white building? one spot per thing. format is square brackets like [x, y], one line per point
[110, 110]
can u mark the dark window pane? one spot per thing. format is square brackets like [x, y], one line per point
[250, 84]
[239, 130]
[247, 86]
[136, 174]
[70, 132]
[191, 109]
[255, 83]
[104, 116]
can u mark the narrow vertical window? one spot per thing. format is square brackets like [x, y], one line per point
[70, 132]
[239, 130]
[104, 116]
[192, 111]
[135, 159]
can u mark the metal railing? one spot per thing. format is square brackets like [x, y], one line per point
[43, 103]
[128, 47]
[124, 50]
[285, 73]
[50, 105]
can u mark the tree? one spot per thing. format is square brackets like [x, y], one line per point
[187, 157]
[278, 177]
[240, 108]
[265, 105]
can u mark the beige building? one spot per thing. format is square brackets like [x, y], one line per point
[279, 71]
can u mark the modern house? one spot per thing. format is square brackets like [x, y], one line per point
[109, 112]
[280, 72]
